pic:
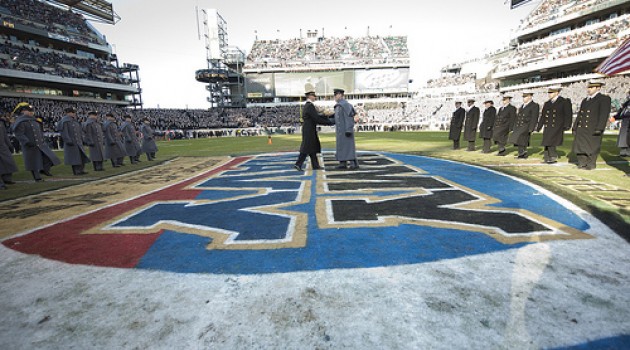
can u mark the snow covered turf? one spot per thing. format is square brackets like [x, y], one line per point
[333, 281]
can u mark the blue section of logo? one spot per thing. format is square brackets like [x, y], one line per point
[330, 247]
[512, 192]
[621, 342]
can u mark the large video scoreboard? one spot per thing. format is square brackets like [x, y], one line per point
[353, 81]
[516, 3]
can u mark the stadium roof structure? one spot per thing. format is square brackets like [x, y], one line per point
[99, 10]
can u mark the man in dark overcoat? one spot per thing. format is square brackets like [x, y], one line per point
[470, 124]
[148, 139]
[487, 124]
[589, 125]
[72, 135]
[623, 139]
[132, 146]
[503, 124]
[95, 139]
[525, 124]
[114, 147]
[7, 163]
[38, 157]
[310, 141]
[344, 132]
[556, 118]
[457, 122]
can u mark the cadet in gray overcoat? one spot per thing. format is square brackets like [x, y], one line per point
[38, 157]
[344, 128]
[114, 147]
[95, 139]
[7, 163]
[148, 142]
[72, 135]
[132, 146]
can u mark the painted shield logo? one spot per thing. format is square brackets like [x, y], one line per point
[258, 215]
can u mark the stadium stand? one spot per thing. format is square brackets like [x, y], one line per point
[328, 52]
[559, 42]
[52, 51]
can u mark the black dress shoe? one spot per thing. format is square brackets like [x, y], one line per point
[9, 182]
[317, 168]
[39, 180]
[45, 172]
[297, 167]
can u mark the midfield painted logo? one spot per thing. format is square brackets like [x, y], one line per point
[258, 215]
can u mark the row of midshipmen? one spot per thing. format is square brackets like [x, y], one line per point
[510, 125]
[104, 141]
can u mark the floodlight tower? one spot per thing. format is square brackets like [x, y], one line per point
[223, 77]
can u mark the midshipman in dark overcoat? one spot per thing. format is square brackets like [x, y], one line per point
[589, 125]
[556, 117]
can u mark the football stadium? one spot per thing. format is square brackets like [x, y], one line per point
[323, 199]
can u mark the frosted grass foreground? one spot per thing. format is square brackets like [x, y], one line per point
[549, 295]
[542, 295]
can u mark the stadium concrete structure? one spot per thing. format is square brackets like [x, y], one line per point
[559, 42]
[50, 51]
[370, 67]
[281, 71]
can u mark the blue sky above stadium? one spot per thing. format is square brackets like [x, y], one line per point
[162, 36]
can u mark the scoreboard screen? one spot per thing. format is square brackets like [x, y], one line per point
[516, 3]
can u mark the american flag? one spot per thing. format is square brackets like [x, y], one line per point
[618, 62]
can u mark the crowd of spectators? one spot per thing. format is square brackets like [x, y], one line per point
[592, 38]
[49, 18]
[331, 51]
[450, 80]
[551, 10]
[50, 112]
[35, 59]
[419, 113]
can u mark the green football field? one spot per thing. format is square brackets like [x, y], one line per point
[605, 192]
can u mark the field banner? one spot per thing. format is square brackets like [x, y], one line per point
[381, 80]
[259, 85]
[323, 83]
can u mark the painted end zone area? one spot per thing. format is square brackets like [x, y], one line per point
[66, 241]
[258, 215]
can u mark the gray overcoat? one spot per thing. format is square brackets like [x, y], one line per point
[95, 139]
[7, 163]
[31, 138]
[114, 147]
[148, 141]
[72, 136]
[132, 146]
[344, 123]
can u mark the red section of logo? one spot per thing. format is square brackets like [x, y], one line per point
[64, 241]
